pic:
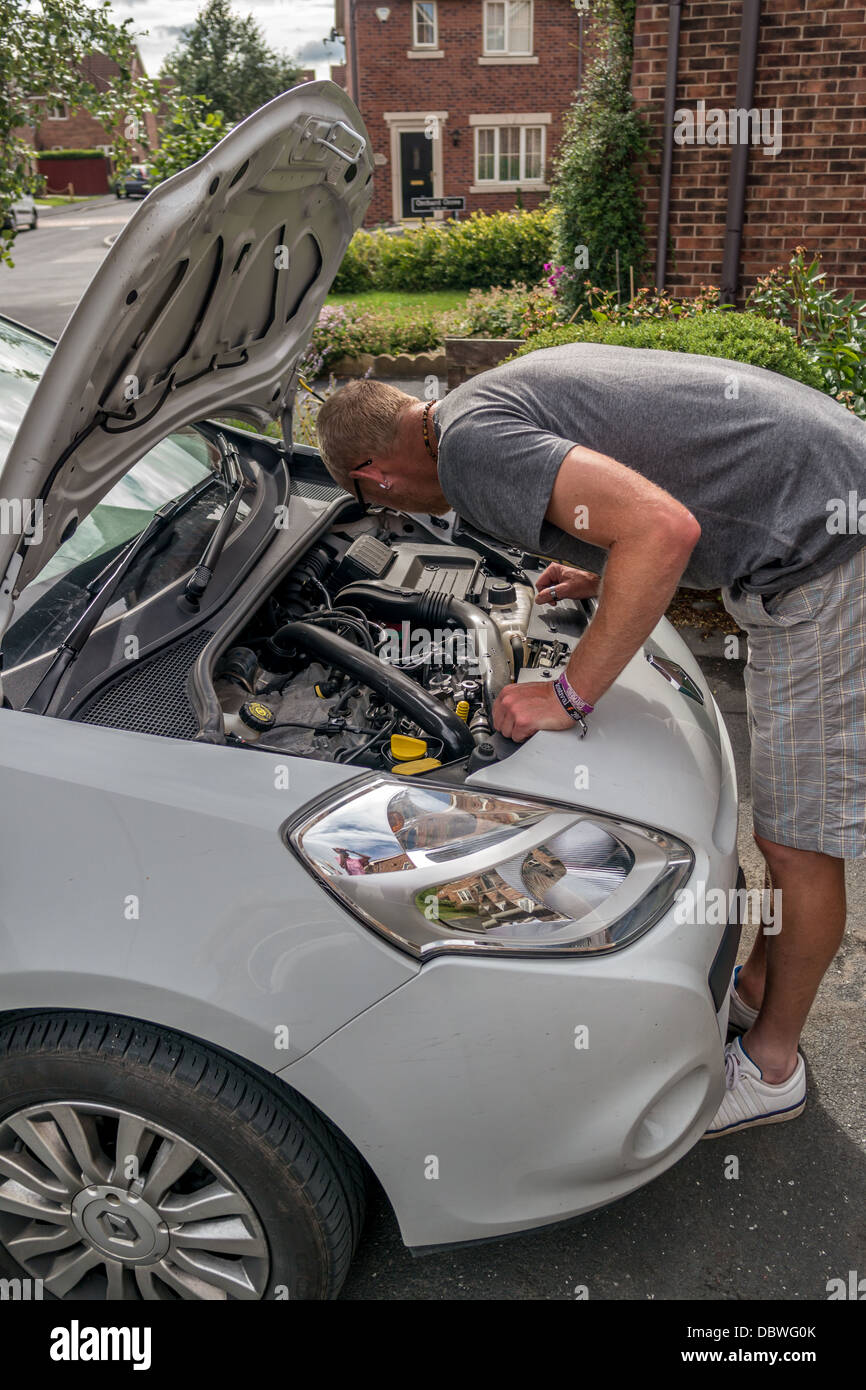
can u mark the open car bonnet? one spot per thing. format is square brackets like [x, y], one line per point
[204, 304]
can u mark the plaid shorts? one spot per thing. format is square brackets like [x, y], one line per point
[805, 683]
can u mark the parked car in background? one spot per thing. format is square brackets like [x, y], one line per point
[23, 213]
[134, 182]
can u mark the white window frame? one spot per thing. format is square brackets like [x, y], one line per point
[508, 51]
[58, 113]
[522, 180]
[434, 43]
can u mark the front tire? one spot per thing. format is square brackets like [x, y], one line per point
[136, 1163]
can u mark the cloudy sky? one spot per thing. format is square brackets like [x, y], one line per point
[297, 26]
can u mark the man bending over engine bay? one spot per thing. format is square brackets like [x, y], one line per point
[637, 471]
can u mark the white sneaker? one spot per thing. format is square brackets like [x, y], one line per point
[740, 1015]
[749, 1100]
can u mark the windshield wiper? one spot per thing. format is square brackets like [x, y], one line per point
[105, 585]
[234, 480]
[186, 499]
[103, 589]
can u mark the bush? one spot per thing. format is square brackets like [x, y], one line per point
[512, 311]
[494, 313]
[595, 188]
[69, 154]
[348, 331]
[741, 337]
[359, 268]
[486, 249]
[832, 331]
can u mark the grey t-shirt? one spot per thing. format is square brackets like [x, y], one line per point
[756, 457]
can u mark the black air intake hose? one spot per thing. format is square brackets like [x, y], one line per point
[386, 680]
[314, 565]
[432, 611]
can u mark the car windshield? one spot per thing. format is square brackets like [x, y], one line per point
[59, 593]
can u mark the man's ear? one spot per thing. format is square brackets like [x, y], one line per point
[372, 473]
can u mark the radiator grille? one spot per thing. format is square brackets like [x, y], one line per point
[151, 698]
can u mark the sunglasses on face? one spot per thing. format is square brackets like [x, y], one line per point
[357, 485]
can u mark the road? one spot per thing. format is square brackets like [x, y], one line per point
[796, 1215]
[54, 264]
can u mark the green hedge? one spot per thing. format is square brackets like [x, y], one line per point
[69, 154]
[486, 249]
[715, 333]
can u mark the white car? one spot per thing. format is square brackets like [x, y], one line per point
[278, 909]
[23, 213]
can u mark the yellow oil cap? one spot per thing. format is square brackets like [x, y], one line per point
[405, 748]
[463, 710]
[419, 765]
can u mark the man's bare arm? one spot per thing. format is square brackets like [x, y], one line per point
[649, 537]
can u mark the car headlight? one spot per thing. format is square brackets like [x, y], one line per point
[437, 868]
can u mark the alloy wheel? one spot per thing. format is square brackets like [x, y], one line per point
[99, 1202]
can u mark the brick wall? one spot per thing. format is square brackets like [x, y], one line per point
[458, 84]
[812, 69]
[77, 131]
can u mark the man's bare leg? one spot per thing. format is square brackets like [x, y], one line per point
[750, 981]
[812, 887]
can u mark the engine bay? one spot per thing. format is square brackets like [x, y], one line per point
[387, 646]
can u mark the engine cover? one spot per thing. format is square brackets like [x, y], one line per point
[437, 569]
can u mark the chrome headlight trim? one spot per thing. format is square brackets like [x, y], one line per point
[662, 864]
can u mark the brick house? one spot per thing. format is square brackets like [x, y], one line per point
[59, 128]
[492, 78]
[62, 128]
[488, 79]
[809, 88]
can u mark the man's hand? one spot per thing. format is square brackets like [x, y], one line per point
[521, 710]
[568, 582]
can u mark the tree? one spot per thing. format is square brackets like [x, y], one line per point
[44, 47]
[597, 205]
[189, 133]
[224, 56]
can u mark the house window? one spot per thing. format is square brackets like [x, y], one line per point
[424, 24]
[57, 113]
[508, 26]
[509, 154]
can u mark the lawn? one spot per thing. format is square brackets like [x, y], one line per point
[435, 300]
[56, 200]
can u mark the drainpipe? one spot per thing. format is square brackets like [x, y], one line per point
[579, 52]
[354, 55]
[740, 153]
[675, 10]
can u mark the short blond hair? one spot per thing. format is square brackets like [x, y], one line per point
[359, 421]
